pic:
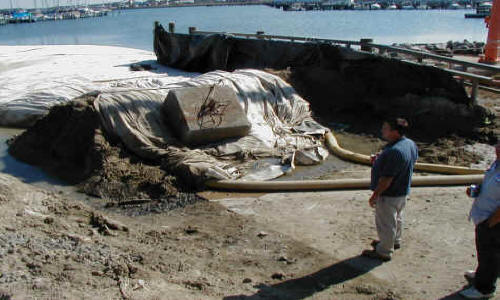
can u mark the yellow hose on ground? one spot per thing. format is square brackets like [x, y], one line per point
[462, 176]
[305, 185]
[333, 145]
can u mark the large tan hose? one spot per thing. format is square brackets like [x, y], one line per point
[304, 185]
[462, 176]
[333, 145]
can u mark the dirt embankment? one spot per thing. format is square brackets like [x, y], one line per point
[70, 144]
[57, 248]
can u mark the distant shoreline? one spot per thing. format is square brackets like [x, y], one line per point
[240, 3]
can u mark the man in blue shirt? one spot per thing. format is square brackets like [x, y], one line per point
[485, 213]
[390, 182]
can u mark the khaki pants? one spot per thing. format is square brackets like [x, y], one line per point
[389, 220]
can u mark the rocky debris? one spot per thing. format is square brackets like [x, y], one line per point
[191, 230]
[447, 49]
[105, 224]
[149, 206]
[450, 151]
[198, 285]
[366, 289]
[141, 67]
[287, 260]
[278, 276]
[262, 234]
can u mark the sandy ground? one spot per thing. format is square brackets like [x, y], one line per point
[53, 247]
[438, 243]
[235, 246]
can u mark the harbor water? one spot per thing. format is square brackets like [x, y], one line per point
[133, 28]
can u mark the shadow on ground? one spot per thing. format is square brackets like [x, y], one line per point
[306, 286]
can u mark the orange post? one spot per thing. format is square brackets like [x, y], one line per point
[492, 48]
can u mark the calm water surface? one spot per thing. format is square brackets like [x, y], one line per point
[133, 28]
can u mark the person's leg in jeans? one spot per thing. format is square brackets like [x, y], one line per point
[488, 252]
[385, 220]
[400, 221]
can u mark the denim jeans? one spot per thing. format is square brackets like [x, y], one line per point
[488, 256]
[389, 213]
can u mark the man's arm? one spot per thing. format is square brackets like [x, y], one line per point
[383, 184]
[494, 219]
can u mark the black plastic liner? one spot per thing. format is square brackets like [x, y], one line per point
[339, 82]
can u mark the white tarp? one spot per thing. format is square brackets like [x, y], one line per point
[281, 126]
[34, 78]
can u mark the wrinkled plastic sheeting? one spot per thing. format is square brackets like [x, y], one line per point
[35, 78]
[281, 125]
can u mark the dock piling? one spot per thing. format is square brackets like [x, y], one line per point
[171, 27]
[473, 94]
[365, 44]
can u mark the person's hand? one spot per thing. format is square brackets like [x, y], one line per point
[467, 191]
[373, 200]
[492, 222]
[373, 158]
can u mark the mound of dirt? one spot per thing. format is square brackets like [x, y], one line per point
[437, 113]
[69, 144]
[341, 84]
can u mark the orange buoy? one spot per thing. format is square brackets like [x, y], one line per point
[492, 48]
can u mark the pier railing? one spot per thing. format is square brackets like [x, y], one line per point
[259, 35]
[476, 81]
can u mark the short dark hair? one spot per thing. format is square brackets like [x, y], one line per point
[399, 124]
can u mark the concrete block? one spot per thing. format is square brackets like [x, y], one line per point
[205, 114]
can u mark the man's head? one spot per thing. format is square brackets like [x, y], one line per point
[394, 129]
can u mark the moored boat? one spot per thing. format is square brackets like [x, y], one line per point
[482, 11]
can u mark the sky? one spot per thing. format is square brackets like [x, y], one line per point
[43, 3]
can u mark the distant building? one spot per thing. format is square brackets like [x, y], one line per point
[337, 3]
[182, 1]
[21, 17]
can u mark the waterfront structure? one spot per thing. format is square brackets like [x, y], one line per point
[336, 4]
[22, 17]
[483, 10]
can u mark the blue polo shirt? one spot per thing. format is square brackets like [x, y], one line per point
[396, 160]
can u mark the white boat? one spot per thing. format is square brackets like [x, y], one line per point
[294, 7]
[455, 6]
[375, 6]
[358, 7]
[482, 11]
[392, 7]
[407, 6]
